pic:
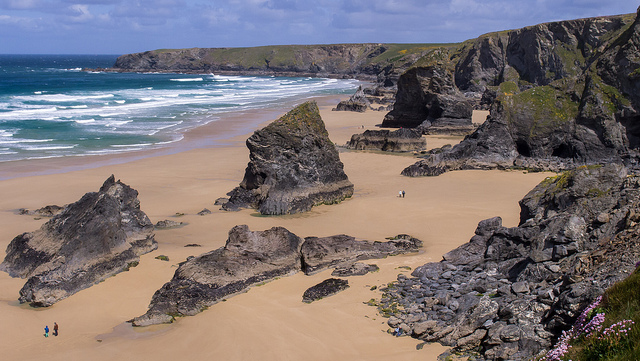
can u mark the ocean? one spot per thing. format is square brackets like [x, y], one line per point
[50, 108]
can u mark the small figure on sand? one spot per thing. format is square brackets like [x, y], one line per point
[403, 194]
[397, 332]
[55, 329]
[399, 194]
[46, 331]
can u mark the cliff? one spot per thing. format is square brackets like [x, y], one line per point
[560, 94]
[369, 61]
[509, 292]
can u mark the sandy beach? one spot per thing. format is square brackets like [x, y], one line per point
[269, 322]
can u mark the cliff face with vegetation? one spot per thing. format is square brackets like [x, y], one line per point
[339, 60]
[560, 94]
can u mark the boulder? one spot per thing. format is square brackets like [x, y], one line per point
[324, 289]
[102, 234]
[293, 166]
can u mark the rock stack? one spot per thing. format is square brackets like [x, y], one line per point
[401, 140]
[293, 166]
[100, 235]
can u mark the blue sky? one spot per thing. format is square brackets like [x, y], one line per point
[127, 26]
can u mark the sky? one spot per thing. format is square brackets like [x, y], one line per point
[129, 26]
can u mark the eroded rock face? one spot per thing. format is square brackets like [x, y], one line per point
[509, 292]
[319, 253]
[324, 289]
[100, 235]
[560, 95]
[249, 258]
[293, 166]
[401, 140]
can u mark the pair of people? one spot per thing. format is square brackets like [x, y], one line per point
[401, 194]
[55, 330]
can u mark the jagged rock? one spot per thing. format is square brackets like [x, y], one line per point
[100, 235]
[319, 253]
[247, 258]
[401, 140]
[324, 289]
[427, 97]
[354, 269]
[46, 211]
[510, 292]
[204, 212]
[167, 223]
[560, 94]
[293, 166]
[358, 102]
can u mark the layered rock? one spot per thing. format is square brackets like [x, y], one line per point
[510, 292]
[561, 94]
[252, 257]
[319, 253]
[247, 258]
[400, 140]
[293, 166]
[100, 235]
[428, 98]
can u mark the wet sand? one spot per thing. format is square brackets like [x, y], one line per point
[269, 322]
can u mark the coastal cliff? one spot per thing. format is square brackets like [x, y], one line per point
[368, 61]
[560, 95]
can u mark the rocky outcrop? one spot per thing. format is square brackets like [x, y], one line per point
[560, 94]
[253, 257]
[400, 140]
[428, 98]
[354, 269]
[326, 288]
[319, 253]
[509, 292]
[358, 102]
[293, 166]
[247, 258]
[102, 234]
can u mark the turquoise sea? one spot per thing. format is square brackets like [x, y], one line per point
[49, 107]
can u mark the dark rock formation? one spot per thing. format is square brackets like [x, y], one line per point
[167, 223]
[560, 94]
[326, 288]
[357, 103]
[510, 292]
[249, 258]
[293, 166]
[354, 269]
[46, 211]
[319, 253]
[401, 140]
[428, 98]
[102, 234]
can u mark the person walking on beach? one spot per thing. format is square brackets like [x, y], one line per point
[46, 331]
[399, 194]
[55, 329]
[403, 194]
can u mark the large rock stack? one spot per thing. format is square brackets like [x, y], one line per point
[293, 166]
[100, 235]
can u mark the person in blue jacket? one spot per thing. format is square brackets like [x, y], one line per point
[46, 331]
